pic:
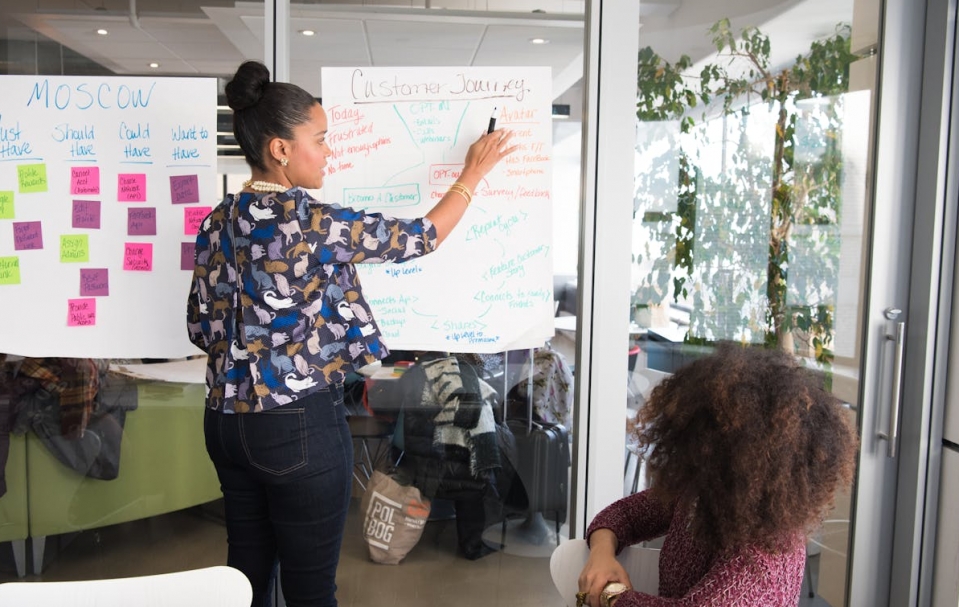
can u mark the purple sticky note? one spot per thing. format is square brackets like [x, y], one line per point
[85, 180]
[27, 235]
[192, 218]
[186, 255]
[142, 221]
[184, 189]
[94, 281]
[132, 187]
[86, 214]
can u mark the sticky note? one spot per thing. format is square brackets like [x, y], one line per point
[81, 312]
[94, 281]
[192, 218]
[138, 256]
[132, 187]
[186, 255]
[86, 214]
[85, 180]
[32, 178]
[74, 248]
[184, 189]
[6, 205]
[27, 236]
[142, 221]
[9, 270]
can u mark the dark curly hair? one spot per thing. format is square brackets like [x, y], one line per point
[750, 443]
[263, 109]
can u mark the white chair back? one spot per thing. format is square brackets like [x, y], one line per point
[210, 587]
[569, 558]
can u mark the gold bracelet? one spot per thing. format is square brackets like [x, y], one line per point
[462, 190]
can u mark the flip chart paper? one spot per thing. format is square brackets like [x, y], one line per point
[91, 159]
[399, 137]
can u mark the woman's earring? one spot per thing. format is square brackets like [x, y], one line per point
[284, 161]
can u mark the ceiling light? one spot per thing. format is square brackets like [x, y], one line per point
[154, 64]
[307, 32]
[538, 41]
[102, 32]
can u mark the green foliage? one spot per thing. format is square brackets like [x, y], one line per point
[780, 202]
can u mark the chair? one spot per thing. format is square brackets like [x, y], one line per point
[567, 561]
[219, 586]
[363, 429]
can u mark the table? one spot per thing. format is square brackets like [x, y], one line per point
[568, 323]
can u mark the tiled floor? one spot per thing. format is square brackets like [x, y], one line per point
[430, 575]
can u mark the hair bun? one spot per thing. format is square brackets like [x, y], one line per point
[246, 87]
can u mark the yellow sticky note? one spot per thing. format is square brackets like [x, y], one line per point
[74, 248]
[32, 177]
[6, 205]
[9, 270]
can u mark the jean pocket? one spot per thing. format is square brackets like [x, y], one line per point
[275, 441]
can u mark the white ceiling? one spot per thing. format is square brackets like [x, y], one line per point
[211, 37]
[215, 39]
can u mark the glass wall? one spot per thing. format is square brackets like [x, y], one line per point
[105, 473]
[753, 153]
[160, 510]
[517, 525]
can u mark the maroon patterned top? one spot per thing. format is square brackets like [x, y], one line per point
[690, 575]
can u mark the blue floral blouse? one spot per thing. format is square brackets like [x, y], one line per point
[276, 302]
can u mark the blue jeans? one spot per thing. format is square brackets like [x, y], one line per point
[286, 476]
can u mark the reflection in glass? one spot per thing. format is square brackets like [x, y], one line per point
[750, 205]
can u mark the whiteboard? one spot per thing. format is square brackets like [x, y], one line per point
[103, 181]
[399, 137]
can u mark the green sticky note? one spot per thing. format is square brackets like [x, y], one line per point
[9, 270]
[74, 248]
[6, 205]
[33, 178]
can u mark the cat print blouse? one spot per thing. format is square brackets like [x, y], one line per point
[276, 302]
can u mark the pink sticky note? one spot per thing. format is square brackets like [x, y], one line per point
[142, 221]
[81, 312]
[85, 180]
[184, 189]
[138, 256]
[186, 255]
[132, 187]
[27, 235]
[86, 214]
[192, 218]
[94, 281]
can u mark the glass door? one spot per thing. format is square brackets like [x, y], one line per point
[773, 205]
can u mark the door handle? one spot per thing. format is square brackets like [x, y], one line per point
[899, 339]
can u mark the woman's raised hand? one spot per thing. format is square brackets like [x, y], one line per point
[485, 153]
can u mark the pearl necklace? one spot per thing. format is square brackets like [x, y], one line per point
[264, 186]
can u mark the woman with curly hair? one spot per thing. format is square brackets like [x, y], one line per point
[745, 453]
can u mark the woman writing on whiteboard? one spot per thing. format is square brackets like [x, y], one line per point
[277, 306]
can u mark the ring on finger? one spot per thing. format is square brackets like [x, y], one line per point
[581, 598]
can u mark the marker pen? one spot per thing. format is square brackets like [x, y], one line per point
[492, 121]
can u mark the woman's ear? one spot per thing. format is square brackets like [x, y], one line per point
[278, 149]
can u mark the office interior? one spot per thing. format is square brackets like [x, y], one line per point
[662, 225]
